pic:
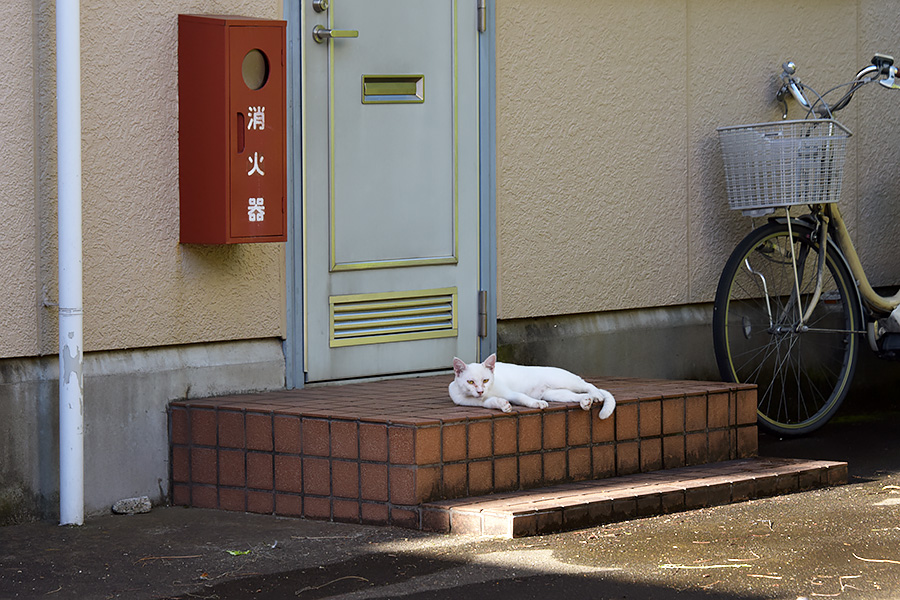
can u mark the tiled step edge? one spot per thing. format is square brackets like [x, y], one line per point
[589, 503]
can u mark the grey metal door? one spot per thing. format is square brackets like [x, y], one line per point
[390, 172]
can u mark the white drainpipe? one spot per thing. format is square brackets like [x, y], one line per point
[71, 384]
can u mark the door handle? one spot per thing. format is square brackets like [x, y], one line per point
[321, 34]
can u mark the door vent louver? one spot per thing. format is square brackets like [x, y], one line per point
[392, 317]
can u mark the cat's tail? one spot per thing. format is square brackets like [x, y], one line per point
[609, 403]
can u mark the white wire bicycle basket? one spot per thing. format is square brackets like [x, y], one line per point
[771, 165]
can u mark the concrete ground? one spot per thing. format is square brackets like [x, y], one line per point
[836, 543]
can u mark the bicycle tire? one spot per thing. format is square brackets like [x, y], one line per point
[802, 377]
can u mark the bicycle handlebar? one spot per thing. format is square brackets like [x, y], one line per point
[882, 65]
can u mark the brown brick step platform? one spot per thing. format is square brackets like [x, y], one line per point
[375, 452]
[586, 504]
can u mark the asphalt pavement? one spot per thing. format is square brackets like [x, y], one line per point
[841, 542]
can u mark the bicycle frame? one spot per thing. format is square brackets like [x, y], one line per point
[832, 224]
[870, 297]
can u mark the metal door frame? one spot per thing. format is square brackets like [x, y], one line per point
[294, 276]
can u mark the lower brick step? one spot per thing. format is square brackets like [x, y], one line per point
[589, 503]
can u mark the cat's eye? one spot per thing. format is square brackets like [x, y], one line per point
[471, 382]
[486, 380]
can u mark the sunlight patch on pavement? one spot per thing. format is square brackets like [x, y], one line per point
[541, 561]
[480, 569]
[888, 502]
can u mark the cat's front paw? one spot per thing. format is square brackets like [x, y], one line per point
[498, 403]
[542, 404]
[586, 403]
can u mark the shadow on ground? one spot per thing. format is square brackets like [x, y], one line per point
[864, 434]
[417, 577]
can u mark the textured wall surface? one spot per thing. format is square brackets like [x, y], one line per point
[141, 287]
[610, 185]
[878, 153]
[18, 244]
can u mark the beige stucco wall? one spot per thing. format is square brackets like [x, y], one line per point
[18, 244]
[141, 287]
[610, 187]
[610, 192]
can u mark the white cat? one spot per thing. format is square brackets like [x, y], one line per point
[493, 384]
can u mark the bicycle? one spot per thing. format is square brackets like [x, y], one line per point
[793, 303]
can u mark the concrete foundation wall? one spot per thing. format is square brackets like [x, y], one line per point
[657, 343]
[665, 343]
[126, 437]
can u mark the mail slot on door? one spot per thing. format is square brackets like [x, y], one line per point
[231, 145]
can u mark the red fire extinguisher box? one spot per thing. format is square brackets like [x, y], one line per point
[232, 137]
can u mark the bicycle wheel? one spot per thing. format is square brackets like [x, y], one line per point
[802, 373]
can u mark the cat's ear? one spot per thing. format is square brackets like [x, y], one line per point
[458, 366]
[490, 361]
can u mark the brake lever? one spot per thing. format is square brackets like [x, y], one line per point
[780, 97]
[792, 86]
[890, 81]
